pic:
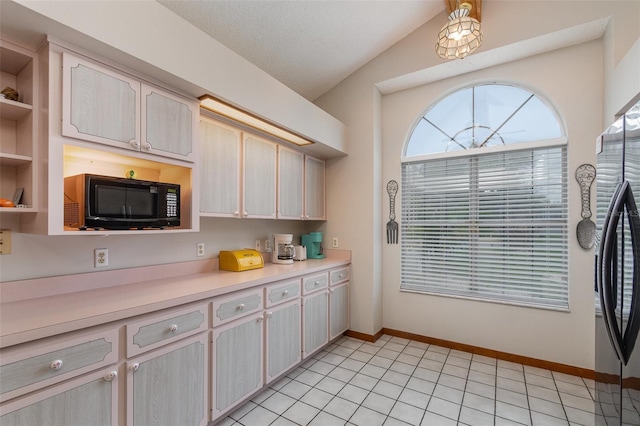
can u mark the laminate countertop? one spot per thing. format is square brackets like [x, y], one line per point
[39, 308]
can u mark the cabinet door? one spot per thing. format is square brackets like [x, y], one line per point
[290, 184]
[314, 199]
[169, 386]
[169, 123]
[259, 183]
[219, 169]
[315, 322]
[237, 362]
[99, 104]
[283, 346]
[338, 310]
[89, 400]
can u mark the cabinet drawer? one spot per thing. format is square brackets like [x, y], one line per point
[315, 282]
[228, 308]
[30, 366]
[339, 275]
[157, 330]
[282, 292]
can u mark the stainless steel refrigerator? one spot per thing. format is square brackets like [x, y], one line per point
[617, 273]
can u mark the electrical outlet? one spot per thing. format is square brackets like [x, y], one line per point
[100, 258]
[258, 245]
[200, 249]
[267, 246]
[335, 242]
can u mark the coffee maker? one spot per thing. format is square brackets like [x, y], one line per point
[313, 242]
[283, 249]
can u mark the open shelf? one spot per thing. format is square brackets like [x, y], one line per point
[14, 160]
[13, 110]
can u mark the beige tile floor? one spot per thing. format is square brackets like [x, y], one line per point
[397, 381]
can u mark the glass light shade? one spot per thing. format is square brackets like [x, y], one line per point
[460, 37]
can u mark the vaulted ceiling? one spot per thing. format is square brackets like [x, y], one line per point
[308, 45]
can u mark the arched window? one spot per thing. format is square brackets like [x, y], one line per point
[484, 199]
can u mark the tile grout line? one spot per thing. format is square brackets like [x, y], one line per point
[413, 368]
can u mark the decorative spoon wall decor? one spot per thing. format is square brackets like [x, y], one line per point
[586, 230]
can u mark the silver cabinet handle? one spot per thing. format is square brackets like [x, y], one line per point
[135, 144]
[134, 367]
[56, 365]
[111, 376]
[285, 293]
[173, 328]
[146, 146]
[241, 306]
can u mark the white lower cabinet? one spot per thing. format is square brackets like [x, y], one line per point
[186, 365]
[91, 399]
[338, 301]
[315, 322]
[237, 354]
[169, 386]
[283, 338]
[338, 310]
[315, 312]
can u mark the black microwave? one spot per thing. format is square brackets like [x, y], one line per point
[104, 202]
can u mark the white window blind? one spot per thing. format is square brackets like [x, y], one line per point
[488, 226]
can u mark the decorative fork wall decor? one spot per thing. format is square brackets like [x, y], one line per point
[392, 225]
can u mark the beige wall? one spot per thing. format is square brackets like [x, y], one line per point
[503, 327]
[581, 84]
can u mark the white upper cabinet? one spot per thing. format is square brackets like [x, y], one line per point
[245, 176]
[290, 184]
[169, 122]
[314, 189]
[259, 178]
[102, 105]
[219, 169]
[99, 104]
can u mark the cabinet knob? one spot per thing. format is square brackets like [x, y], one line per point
[241, 306]
[317, 283]
[341, 275]
[245, 214]
[134, 367]
[269, 314]
[173, 328]
[236, 213]
[285, 293]
[146, 146]
[135, 144]
[260, 319]
[111, 376]
[331, 291]
[56, 365]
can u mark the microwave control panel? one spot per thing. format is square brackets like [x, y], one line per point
[172, 204]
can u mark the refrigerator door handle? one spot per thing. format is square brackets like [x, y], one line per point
[624, 339]
[633, 325]
[607, 274]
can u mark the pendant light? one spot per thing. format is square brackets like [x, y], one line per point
[461, 36]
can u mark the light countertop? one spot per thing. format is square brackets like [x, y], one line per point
[39, 308]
